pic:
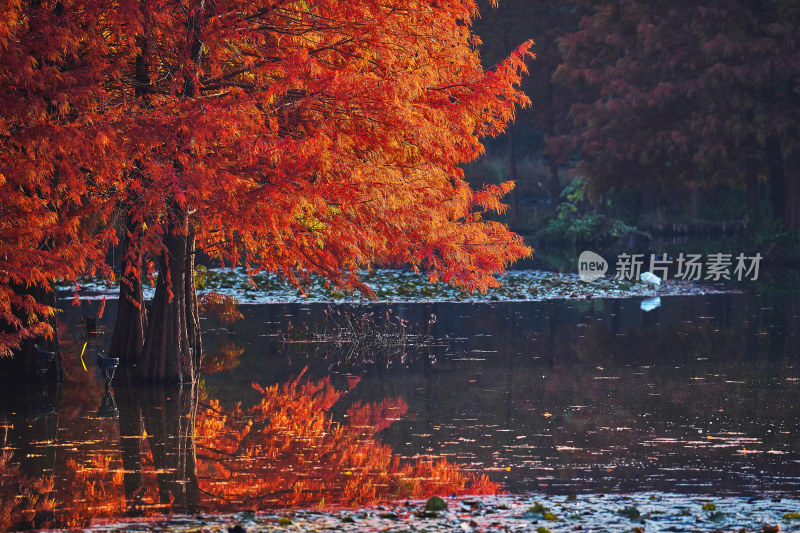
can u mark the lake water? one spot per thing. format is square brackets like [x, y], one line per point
[697, 396]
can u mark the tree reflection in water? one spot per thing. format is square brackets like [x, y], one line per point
[22, 498]
[183, 451]
[287, 451]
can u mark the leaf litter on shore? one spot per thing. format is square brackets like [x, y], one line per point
[406, 286]
[654, 512]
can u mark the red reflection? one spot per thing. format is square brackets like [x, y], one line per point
[22, 498]
[287, 451]
[225, 308]
[225, 358]
[169, 453]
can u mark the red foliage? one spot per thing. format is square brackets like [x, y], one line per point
[56, 154]
[681, 93]
[310, 137]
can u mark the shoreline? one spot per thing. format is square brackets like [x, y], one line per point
[651, 511]
[399, 287]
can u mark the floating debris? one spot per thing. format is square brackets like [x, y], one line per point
[405, 286]
[589, 512]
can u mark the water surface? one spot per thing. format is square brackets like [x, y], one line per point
[696, 396]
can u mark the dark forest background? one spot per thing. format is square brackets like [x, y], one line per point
[652, 120]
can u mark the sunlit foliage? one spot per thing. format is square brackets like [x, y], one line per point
[305, 137]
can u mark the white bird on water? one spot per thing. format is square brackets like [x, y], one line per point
[650, 278]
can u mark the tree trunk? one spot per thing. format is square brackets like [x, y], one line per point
[192, 311]
[693, 194]
[555, 181]
[792, 202]
[777, 178]
[127, 339]
[753, 211]
[130, 325]
[171, 352]
[167, 355]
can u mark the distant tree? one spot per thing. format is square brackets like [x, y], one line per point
[687, 94]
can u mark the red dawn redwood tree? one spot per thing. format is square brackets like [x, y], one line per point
[317, 137]
[309, 138]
